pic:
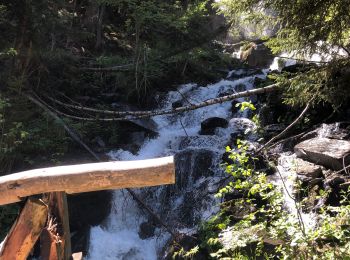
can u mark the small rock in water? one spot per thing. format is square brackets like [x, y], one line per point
[331, 153]
[208, 126]
[146, 230]
[177, 104]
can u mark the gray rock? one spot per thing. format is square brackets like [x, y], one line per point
[307, 169]
[209, 125]
[242, 124]
[331, 153]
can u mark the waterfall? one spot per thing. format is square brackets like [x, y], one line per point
[197, 157]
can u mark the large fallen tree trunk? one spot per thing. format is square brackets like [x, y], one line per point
[26, 231]
[87, 177]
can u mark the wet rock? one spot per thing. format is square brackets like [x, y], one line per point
[146, 230]
[177, 104]
[266, 115]
[234, 108]
[331, 153]
[190, 165]
[204, 141]
[209, 125]
[147, 125]
[242, 124]
[241, 73]
[189, 216]
[86, 210]
[310, 182]
[234, 137]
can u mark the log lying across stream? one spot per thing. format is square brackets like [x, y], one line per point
[87, 177]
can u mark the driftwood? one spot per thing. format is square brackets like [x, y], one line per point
[87, 177]
[26, 231]
[131, 115]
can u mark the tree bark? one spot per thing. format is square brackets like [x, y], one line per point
[101, 11]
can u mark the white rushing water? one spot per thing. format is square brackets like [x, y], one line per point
[118, 237]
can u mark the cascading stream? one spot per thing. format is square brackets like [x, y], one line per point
[191, 199]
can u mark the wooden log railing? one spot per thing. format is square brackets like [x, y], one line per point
[87, 177]
[47, 218]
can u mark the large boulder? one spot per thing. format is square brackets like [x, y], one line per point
[331, 153]
[209, 125]
[257, 55]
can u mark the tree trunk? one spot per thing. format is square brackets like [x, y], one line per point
[101, 11]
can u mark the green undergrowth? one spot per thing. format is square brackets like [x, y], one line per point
[256, 224]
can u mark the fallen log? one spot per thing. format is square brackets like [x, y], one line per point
[87, 177]
[26, 231]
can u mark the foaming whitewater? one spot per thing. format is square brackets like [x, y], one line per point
[191, 199]
[285, 179]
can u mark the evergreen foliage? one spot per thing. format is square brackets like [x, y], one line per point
[303, 28]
